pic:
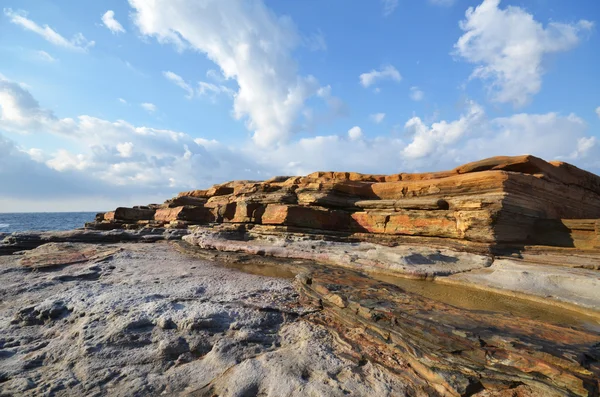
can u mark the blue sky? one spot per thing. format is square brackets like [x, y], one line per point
[128, 102]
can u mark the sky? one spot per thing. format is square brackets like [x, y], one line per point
[124, 102]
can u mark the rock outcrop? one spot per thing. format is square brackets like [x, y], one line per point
[502, 200]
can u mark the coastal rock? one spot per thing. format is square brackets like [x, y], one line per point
[29, 240]
[129, 214]
[501, 200]
[155, 322]
[457, 352]
[185, 213]
[57, 254]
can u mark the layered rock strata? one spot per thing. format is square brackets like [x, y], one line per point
[502, 200]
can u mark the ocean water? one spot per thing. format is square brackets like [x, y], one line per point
[43, 221]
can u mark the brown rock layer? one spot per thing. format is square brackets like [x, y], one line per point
[501, 200]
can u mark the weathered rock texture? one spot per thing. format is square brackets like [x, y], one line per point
[149, 321]
[131, 319]
[521, 200]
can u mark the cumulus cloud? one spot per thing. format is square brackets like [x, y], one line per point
[389, 6]
[251, 45]
[598, 111]
[108, 19]
[355, 133]
[77, 43]
[123, 101]
[434, 139]
[508, 47]
[387, 72]
[377, 117]
[416, 94]
[150, 107]
[19, 110]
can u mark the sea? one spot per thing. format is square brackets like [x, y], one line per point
[43, 221]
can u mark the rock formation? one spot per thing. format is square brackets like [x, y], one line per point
[501, 200]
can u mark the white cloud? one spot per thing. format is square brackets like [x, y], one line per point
[433, 140]
[44, 56]
[125, 149]
[118, 160]
[123, 101]
[150, 107]
[389, 6]
[108, 19]
[508, 47]
[598, 111]
[385, 73]
[355, 133]
[63, 160]
[205, 88]
[77, 43]
[180, 82]
[36, 154]
[377, 117]
[19, 110]
[251, 45]
[416, 94]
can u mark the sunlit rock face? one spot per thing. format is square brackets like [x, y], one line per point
[522, 200]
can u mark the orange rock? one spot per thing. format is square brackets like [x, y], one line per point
[191, 214]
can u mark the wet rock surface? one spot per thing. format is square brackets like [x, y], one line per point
[454, 351]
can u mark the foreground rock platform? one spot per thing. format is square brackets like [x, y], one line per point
[148, 321]
[156, 319]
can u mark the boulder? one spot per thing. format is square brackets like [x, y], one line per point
[185, 213]
[129, 214]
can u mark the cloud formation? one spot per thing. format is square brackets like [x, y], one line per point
[387, 72]
[180, 82]
[508, 47]
[150, 107]
[120, 161]
[108, 19]
[251, 45]
[77, 43]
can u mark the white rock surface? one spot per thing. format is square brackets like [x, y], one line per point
[151, 321]
[580, 287]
